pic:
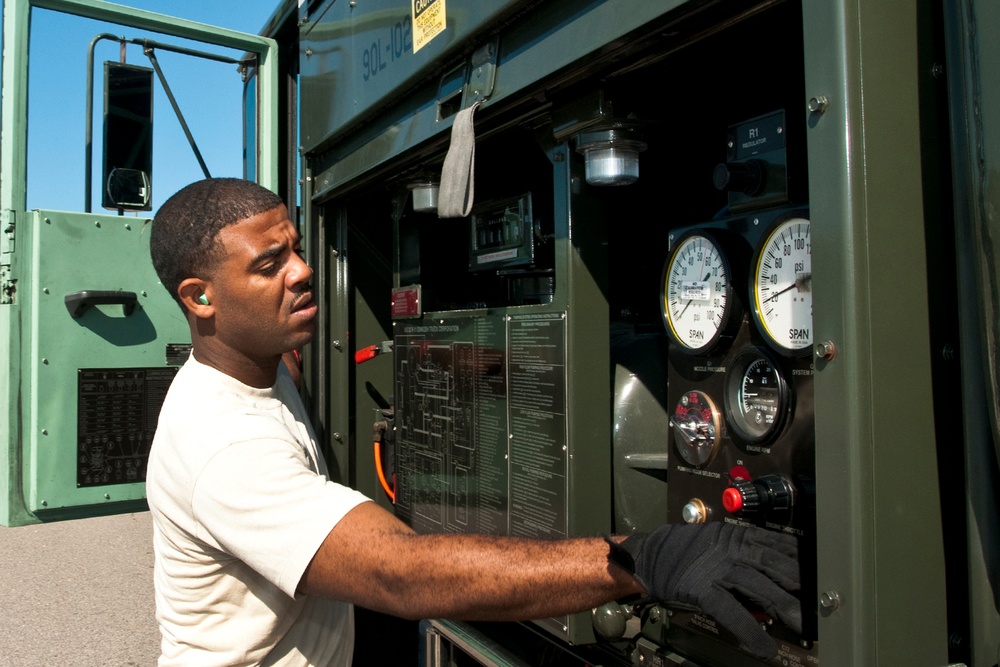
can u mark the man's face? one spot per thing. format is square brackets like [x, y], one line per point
[261, 289]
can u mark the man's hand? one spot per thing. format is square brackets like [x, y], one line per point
[698, 566]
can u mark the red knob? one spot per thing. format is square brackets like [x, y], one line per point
[732, 500]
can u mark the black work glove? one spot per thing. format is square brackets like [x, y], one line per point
[697, 565]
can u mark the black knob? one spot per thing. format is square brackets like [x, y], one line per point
[746, 177]
[770, 494]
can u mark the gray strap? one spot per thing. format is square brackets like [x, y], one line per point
[458, 172]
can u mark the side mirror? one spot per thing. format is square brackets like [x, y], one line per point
[128, 137]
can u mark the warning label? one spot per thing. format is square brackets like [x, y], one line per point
[429, 18]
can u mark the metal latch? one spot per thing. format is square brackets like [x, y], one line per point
[483, 72]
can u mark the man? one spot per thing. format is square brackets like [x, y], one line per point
[260, 557]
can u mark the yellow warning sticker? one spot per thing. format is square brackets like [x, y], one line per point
[429, 18]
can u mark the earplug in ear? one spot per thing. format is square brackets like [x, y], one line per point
[203, 300]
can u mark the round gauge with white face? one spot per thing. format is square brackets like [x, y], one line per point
[782, 287]
[696, 296]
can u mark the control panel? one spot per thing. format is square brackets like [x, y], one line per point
[736, 302]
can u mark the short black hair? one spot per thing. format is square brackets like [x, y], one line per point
[183, 242]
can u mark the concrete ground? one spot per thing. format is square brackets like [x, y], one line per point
[78, 593]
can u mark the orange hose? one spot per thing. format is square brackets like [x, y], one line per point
[381, 474]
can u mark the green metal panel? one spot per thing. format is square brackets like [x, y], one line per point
[70, 253]
[973, 68]
[529, 52]
[45, 347]
[12, 195]
[879, 532]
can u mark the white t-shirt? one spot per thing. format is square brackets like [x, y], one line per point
[241, 502]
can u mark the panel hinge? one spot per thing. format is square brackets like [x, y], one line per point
[7, 226]
[8, 286]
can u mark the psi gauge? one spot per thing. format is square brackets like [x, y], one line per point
[696, 294]
[782, 287]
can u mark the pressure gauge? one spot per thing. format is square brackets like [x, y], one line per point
[782, 287]
[756, 396]
[696, 293]
[696, 427]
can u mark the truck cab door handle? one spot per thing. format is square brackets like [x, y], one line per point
[78, 302]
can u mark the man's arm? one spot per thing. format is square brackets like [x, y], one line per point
[374, 560]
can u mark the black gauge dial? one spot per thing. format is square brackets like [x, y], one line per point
[756, 397]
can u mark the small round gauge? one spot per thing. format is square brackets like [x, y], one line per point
[696, 293]
[695, 421]
[782, 287]
[756, 397]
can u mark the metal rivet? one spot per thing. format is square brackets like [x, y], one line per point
[107, 496]
[128, 227]
[45, 431]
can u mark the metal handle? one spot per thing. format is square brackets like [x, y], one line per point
[78, 302]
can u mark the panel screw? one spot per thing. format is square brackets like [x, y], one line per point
[337, 437]
[818, 104]
[830, 600]
[826, 350]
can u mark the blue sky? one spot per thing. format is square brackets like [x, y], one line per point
[208, 93]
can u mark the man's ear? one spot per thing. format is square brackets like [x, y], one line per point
[195, 296]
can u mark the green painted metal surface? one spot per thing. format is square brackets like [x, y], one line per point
[973, 68]
[528, 52]
[46, 255]
[71, 253]
[874, 409]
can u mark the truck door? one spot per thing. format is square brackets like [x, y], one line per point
[90, 338]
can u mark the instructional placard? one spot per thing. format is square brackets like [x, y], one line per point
[429, 20]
